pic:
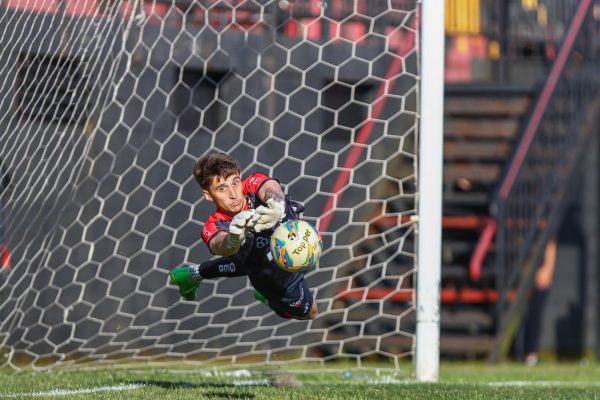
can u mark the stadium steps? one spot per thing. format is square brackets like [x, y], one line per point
[451, 346]
[480, 127]
[454, 343]
[481, 124]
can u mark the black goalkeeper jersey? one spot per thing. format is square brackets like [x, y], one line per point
[255, 256]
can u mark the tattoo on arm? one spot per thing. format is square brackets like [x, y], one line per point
[276, 195]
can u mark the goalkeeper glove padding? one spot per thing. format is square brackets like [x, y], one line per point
[238, 227]
[268, 217]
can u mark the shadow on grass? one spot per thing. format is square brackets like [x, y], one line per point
[204, 385]
[224, 395]
[188, 385]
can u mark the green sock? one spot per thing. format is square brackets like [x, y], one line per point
[258, 296]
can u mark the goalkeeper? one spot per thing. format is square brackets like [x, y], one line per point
[247, 212]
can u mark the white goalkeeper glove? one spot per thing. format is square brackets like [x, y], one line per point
[267, 217]
[238, 227]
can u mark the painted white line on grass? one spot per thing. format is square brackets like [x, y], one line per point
[68, 392]
[252, 382]
[388, 380]
[544, 383]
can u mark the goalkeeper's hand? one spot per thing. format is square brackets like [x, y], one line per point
[267, 217]
[238, 227]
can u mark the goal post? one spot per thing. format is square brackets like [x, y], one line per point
[430, 158]
[106, 105]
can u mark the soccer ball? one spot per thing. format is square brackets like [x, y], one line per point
[296, 246]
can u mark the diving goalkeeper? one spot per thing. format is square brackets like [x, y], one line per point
[247, 212]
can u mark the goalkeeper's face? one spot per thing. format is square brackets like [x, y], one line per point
[227, 194]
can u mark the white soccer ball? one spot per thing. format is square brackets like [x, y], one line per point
[296, 246]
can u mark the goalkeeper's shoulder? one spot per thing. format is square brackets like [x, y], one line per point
[214, 232]
[255, 181]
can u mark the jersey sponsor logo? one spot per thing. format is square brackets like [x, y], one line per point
[255, 180]
[229, 267]
[206, 232]
[261, 242]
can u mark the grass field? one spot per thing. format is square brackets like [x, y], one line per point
[458, 381]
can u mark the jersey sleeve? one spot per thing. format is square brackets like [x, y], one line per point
[210, 230]
[253, 183]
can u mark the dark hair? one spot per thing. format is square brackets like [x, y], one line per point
[214, 165]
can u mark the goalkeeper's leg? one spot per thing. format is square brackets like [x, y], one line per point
[188, 278]
[300, 306]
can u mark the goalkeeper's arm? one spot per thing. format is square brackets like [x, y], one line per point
[271, 190]
[267, 217]
[228, 244]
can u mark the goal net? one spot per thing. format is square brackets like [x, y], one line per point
[105, 105]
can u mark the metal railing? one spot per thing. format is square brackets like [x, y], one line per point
[531, 195]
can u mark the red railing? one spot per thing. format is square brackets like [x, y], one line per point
[358, 146]
[532, 127]
[447, 296]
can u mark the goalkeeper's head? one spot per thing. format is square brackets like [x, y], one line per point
[218, 175]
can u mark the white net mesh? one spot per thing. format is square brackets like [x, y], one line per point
[105, 105]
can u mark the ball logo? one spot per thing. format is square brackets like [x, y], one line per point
[306, 235]
[292, 233]
[300, 247]
[296, 246]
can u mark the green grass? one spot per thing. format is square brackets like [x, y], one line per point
[458, 381]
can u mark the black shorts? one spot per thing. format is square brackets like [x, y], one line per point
[295, 308]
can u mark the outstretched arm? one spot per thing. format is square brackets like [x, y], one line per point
[271, 190]
[228, 244]
[222, 245]
[267, 217]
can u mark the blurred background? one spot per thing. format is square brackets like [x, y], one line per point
[520, 172]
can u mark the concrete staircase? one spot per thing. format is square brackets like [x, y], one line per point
[481, 125]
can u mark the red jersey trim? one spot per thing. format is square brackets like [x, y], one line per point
[216, 222]
[253, 183]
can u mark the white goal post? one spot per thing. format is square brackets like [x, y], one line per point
[104, 107]
[431, 146]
